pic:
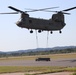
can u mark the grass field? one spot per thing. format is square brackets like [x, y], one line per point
[52, 56]
[13, 69]
[43, 69]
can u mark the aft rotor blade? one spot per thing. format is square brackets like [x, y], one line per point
[10, 13]
[49, 11]
[57, 12]
[69, 9]
[33, 10]
[15, 9]
[66, 13]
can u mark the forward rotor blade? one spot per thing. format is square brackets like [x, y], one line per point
[69, 9]
[10, 13]
[33, 10]
[15, 9]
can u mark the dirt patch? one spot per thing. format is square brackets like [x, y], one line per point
[13, 74]
[59, 73]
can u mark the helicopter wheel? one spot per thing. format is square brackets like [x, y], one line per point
[31, 31]
[60, 31]
[39, 31]
[51, 32]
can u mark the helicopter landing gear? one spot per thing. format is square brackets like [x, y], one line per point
[60, 31]
[31, 31]
[51, 32]
[39, 31]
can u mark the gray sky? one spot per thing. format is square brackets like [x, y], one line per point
[14, 38]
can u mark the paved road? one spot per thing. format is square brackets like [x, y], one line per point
[59, 62]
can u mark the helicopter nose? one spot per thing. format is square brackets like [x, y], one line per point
[19, 23]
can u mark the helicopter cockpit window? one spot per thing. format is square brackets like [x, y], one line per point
[19, 19]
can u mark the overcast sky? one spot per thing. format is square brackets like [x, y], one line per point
[14, 38]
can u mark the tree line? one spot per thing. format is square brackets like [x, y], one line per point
[46, 52]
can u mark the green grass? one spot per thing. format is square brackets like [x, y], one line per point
[74, 73]
[13, 69]
[72, 69]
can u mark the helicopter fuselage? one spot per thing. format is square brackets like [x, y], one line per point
[55, 23]
[40, 24]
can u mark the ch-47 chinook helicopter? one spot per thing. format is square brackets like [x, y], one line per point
[56, 23]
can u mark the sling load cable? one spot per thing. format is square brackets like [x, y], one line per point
[37, 39]
[47, 38]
